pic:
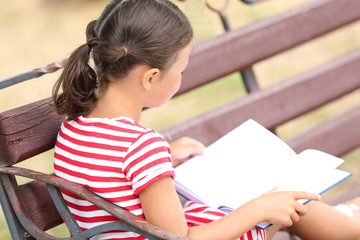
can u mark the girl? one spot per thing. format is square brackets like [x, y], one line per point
[138, 49]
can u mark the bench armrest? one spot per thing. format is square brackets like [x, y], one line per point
[142, 226]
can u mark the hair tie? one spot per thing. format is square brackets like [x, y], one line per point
[89, 47]
[92, 43]
[125, 50]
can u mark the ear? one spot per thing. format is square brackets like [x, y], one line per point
[150, 77]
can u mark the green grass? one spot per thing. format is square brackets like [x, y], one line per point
[35, 33]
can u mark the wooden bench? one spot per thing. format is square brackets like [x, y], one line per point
[29, 130]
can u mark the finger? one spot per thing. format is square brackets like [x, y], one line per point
[301, 209]
[194, 147]
[177, 162]
[185, 147]
[288, 222]
[181, 161]
[294, 217]
[306, 195]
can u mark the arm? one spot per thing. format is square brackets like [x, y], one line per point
[160, 198]
[162, 207]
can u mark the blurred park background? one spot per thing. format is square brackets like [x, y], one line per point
[37, 32]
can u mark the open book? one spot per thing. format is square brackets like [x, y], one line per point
[250, 161]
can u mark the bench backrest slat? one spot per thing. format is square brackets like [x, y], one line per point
[39, 124]
[278, 104]
[232, 51]
[241, 48]
[27, 131]
[337, 136]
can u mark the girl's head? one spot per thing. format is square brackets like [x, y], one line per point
[127, 34]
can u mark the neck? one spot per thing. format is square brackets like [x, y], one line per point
[124, 97]
[114, 103]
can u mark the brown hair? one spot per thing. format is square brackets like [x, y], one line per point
[128, 33]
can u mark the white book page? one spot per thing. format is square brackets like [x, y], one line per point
[315, 172]
[318, 159]
[327, 180]
[238, 167]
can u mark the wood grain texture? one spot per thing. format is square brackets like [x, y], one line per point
[27, 131]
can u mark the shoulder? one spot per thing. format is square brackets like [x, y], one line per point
[121, 126]
[148, 143]
[123, 130]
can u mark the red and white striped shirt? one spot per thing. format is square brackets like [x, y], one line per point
[116, 159]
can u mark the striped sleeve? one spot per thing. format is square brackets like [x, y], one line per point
[148, 159]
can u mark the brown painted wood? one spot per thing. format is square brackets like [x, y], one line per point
[27, 131]
[248, 45]
[277, 104]
[38, 205]
[336, 136]
[32, 129]
[84, 193]
[211, 60]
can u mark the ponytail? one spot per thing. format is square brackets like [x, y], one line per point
[78, 83]
[127, 34]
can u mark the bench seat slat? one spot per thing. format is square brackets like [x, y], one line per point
[39, 205]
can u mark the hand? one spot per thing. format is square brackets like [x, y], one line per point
[281, 208]
[183, 149]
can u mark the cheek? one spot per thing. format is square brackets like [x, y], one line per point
[178, 83]
[174, 82]
[172, 88]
